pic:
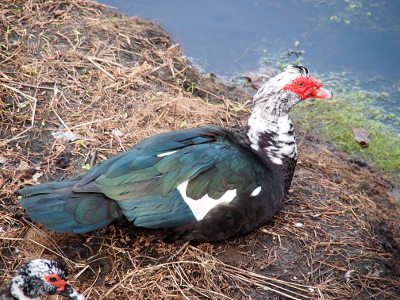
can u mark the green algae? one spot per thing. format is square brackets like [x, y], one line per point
[335, 120]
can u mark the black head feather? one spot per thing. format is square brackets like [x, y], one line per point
[303, 70]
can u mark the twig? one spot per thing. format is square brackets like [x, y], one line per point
[18, 91]
[93, 158]
[179, 251]
[28, 85]
[91, 122]
[41, 245]
[52, 108]
[91, 59]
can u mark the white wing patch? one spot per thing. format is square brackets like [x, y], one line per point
[202, 206]
[256, 191]
[166, 153]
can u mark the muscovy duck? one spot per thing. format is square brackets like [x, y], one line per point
[40, 277]
[203, 184]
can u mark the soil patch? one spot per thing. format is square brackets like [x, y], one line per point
[103, 82]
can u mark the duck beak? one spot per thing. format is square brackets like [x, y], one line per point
[321, 93]
[70, 293]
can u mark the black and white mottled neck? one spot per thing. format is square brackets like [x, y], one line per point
[274, 137]
[270, 128]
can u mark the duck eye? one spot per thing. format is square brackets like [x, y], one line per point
[53, 278]
[300, 84]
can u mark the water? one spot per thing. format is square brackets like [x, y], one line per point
[230, 37]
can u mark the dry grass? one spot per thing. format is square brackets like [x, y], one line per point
[74, 66]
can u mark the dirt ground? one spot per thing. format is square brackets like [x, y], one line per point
[71, 67]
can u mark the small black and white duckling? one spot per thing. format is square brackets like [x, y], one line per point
[39, 277]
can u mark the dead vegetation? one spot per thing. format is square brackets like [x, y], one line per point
[110, 81]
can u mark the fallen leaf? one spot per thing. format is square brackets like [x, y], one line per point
[59, 12]
[183, 124]
[23, 166]
[361, 136]
[36, 176]
[117, 133]
[257, 81]
[65, 136]
[260, 78]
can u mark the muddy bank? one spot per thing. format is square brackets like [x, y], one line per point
[104, 82]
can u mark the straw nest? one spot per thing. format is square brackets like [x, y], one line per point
[101, 82]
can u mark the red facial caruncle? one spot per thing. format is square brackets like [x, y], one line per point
[54, 279]
[308, 87]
